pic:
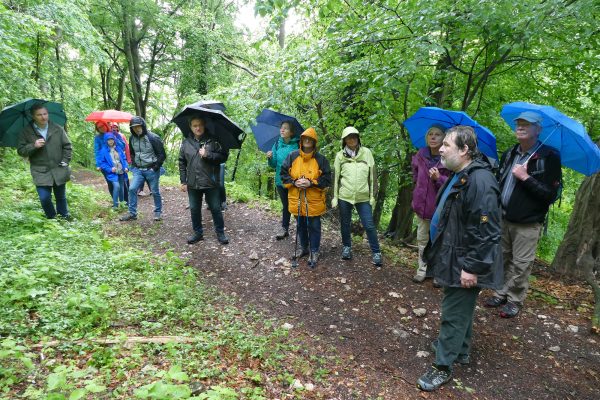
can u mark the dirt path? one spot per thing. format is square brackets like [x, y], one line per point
[363, 320]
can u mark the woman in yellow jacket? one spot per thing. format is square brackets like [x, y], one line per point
[306, 174]
[354, 186]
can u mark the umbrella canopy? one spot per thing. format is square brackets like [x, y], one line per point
[229, 134]
[17, 116]
[211, 104]
[576, 148]
[109, 116]
[425, 117]
[266, 130]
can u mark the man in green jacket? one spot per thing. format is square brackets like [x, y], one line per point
[48, 148]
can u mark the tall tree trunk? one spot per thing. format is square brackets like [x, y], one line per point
[579, 253]
[131, 46]
[59, 74]
[384, 179]
[281, 34]
[400, 228]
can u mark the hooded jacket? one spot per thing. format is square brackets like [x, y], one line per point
[312, 166]
[201, 172]
[426, 189]
[531, 199]
[355, 180]
[121, 142]
[469, 230]
[280, 150]
[105, 159]
[139, 145]
[44, 162]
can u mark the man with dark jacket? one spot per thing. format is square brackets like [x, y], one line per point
[463, 252]
[49, 150]
[529, 177]
[200, 157]
[147, 157]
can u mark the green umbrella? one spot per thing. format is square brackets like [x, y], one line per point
[17, 116]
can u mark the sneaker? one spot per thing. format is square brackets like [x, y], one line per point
[313, 259]
[509, 310]
[462, 359]
[433, 379]
[282, 234]
[377, 259]
[128, 217]
[347, 253]
[494, 302]
[141, 193]
[436, 283]
[222, 238]
[157, 216]
[303, 252]
[418, 278]
[195, 238]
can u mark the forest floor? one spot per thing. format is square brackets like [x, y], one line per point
[363, 321]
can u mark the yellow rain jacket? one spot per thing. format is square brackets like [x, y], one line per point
[313, 166]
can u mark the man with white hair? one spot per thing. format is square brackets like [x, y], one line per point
[529, 178]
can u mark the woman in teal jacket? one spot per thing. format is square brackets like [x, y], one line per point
[286, 143]
[354, 186]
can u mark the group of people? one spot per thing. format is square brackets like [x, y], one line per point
[302, 175]
[476, 228]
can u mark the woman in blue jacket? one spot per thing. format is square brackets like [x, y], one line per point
[287, 142]
[113, 164]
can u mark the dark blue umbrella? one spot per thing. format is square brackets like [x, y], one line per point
[425, 117]
[577, 150]
[17, 116]
[266, 130]
[230, 135]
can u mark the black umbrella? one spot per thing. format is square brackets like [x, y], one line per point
[211, 104]
[217, 123]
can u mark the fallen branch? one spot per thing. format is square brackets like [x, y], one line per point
[127, 341]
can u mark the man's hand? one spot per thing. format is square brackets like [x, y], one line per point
[468, 280]
[520, 172]
[202, 152]
[269, 154]
[114, 169]
[183, 187]
[39, 143]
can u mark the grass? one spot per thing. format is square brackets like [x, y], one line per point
[67, 286]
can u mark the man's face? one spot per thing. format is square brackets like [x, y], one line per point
[137, 129]
[197, 127]
[40, 117]
[452, 156]
[526, 131]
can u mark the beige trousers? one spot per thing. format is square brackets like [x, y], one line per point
[422, 239]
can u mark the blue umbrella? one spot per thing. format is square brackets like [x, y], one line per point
[425, 117]
[17, 116]
[266, 130]
[577, 150]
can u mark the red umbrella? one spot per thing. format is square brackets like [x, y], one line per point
[109, 116]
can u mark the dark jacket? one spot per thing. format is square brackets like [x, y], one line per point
[201, 172]
[44, 163]
[468, 234]
[155, 141]
[426, 189]
[531, 198]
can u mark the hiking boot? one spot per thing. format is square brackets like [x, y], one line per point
[157, 216]
[494, 302]
[462, 359]
[313, 259]
[509, 310]
[347, 253]
[303, 252]
[195, 238]
[128, 217]
[222, 238]
[377, 260]
[436, 283]
[282, 234]
[418, 278]
[433, 379]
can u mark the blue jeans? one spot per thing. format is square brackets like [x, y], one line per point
[118, 190]
[309, 230]
[139, 177]
[285, 214]
[60, 194]
[366, 218]
[214, 204]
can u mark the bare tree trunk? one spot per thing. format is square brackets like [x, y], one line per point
[281, 35]
[400, 228]
[579, 252]
[384, 179]
[59, 77]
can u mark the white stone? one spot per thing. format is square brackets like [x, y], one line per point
[554, 348]
[420, 312]
[394, 294]
[541, 316]
[422, 354]
[253, 255]
[309, 387]
[573, 328]
[287, 326]
[297, 384]
[402, 310]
